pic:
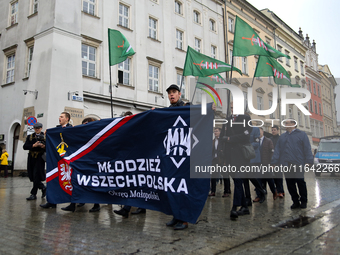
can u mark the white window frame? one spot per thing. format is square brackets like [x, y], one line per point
[9, 68]
[287, 59]
[197, 17]
[179, 7]
[231, 24]
[29, 56]
[213, 51]
[125, 67]
[212, 25]
[245, 95]
[13, 13]
[259, 102]
[86, 59]
[34, 5]
[320, 111]
[272, 115]
[89, 4]
[290, 113]
[155, 80]
[179, 39]
[244, 65]
[198, 45]
[153, 24]
[124, 18]
[296, 64]
[316, 107]
[279, 48]
[301, 67]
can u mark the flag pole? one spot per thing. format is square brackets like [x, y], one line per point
[111, 103]
[252, 83]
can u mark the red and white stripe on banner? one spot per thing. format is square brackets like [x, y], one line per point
[90, 145]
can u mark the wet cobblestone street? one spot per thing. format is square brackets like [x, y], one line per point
[28, 229]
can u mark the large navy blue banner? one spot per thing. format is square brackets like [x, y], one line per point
[141, 160]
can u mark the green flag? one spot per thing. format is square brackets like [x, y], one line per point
[197, 64]
[119, 47]
[267, 66]
[247, 42]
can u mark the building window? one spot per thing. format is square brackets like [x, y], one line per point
[181, 85]
[197, 44]
[296, 64]
[179, 39]
[89, 6]
[306, 121]
[231, 57]
[270, 80]
[309, 87]
[316, 107]
[314, 88]
[301, 67]
[213, 51]
[272, 115]
[197, 17]
[29, 60]
[290, 110]
[124, 72]
[88, 55]
[153, 28]
[311, 105]
[123, 15]
[10, 68]
[318, 91]
[244, 65]
[259, 103]
[320, 112]
[212, 25]
[299, 118]
[287, 59]
[153, 78]
[245, 95]
[178, 8]
[14, 13]
[279, 48]
[34, 6]
[231, 25]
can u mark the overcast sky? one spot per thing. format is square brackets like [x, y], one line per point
[320, 20]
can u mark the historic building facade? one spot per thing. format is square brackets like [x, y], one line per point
[54, 57]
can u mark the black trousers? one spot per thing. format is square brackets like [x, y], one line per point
[226, 182]
[37, 185]
[257, 184]
[292, 185]
[239, 198]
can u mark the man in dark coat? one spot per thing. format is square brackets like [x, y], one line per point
[266, 150]
[64, 120]
[237, 133]
[35, 143]
[278, 179]
[217, 155]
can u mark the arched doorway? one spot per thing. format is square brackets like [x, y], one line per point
[15, 131]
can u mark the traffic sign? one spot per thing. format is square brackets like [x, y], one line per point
[31, 120]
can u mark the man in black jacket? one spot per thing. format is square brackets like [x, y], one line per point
[174, 95]
[35, 143]
[237, 132]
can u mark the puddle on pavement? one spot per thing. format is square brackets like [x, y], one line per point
[298, 223]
